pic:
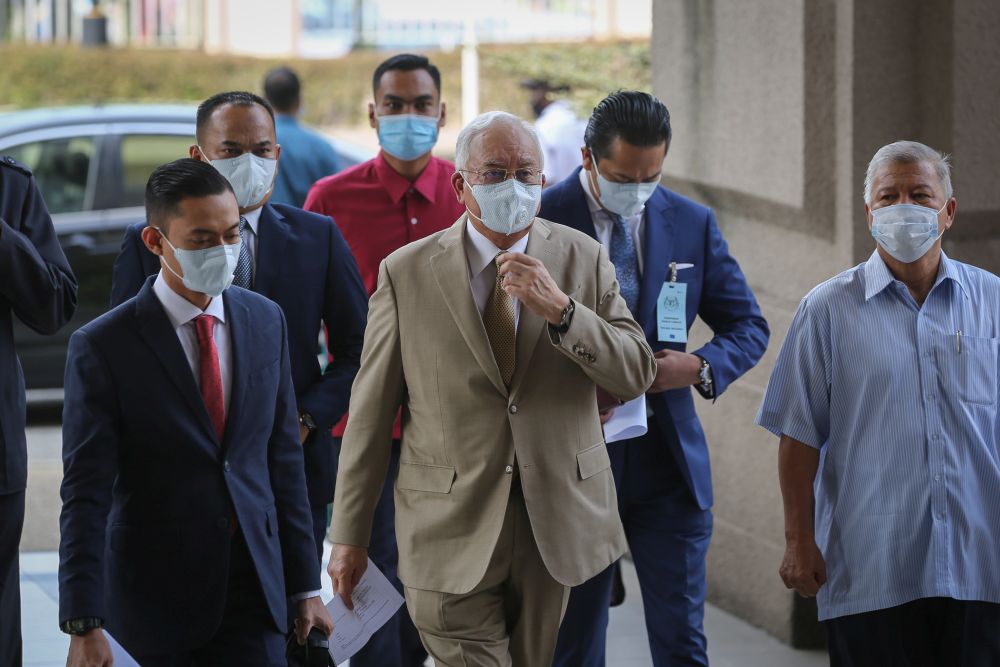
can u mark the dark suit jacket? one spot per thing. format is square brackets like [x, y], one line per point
[305, 266]
[148, 490]
[680, 230]
[36, 285]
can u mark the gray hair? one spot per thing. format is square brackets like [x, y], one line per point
[908, 152]
[483, 122]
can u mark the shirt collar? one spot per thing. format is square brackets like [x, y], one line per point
[480, 251]
[878, 276]
[253, 218]
[179, 310]
[396, 186]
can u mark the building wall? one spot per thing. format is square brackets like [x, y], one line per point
[777, 107]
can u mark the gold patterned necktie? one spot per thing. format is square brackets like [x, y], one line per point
[499, 320]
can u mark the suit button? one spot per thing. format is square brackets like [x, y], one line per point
[509, 469]
[513, 409]
[222, 522]
[225, 465]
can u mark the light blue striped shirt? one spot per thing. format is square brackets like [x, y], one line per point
[904, 412]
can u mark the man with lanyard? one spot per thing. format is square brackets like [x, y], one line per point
[673, 266]
[401, 195]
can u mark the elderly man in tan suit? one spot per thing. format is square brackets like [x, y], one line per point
[492, 335]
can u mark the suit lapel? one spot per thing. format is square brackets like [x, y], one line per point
[238, 321]
[272, 235]
[530, 326]
[576, 206]
[159, 334]
[451, 271]
[657, 250]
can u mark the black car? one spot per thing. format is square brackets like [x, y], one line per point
[91, 164]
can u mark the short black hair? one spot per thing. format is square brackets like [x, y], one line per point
[171, 183]
[635, 117]
[282, 89]
[239, 98]
[406, 62]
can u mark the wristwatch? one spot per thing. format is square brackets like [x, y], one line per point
[564, 320]
[307, 420]
[704, 385]
[81, 626]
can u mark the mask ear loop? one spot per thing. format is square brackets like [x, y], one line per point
[163, 261]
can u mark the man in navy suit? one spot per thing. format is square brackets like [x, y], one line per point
[36, 285]
[297, 259]
[673, 266]
[185, 522]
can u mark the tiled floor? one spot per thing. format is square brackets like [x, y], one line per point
[732, 643]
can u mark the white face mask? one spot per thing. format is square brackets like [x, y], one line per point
[506, 207]
[207, 271]
[624, 199]
[252, 177]
[905, 231]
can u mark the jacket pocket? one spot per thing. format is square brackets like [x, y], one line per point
[425, 477]
[593, 460]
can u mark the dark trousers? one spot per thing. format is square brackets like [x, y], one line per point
[247, 636]
[668, 536]
[931, 632]
[397, 643]
[11, 523]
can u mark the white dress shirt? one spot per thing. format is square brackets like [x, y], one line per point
[250, 237]
[561, 134]
[480, 252]
[605, 221]
[181, 314]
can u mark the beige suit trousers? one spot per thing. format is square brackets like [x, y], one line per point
[510, 619]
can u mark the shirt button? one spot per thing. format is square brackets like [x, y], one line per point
[930, 397]
[940, 516]
[413, 221]
[225, 465]
[937, 478]
[513, 409]
[927, 354]
[509, 469]
[935, 437]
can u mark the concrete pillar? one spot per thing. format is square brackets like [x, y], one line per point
[777, 107]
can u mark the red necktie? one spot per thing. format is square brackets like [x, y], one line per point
[211, 374]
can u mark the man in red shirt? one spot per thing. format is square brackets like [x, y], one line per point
[401, 195]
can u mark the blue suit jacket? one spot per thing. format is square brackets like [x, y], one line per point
[38, 287]
[680, 230]
[148, 489]
[305, 266]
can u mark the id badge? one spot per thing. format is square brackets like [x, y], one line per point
[671, 313]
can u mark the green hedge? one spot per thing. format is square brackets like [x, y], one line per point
[336, 91]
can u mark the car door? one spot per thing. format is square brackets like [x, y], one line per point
[91, 221]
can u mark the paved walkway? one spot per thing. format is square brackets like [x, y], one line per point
[732, 643]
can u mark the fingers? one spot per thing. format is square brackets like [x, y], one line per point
[302, 627]
[344, 587]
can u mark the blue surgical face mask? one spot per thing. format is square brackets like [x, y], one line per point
[407, 136]
[252, 177]
[506, 207]
[208, 271]
[905, 231]
[624, 199]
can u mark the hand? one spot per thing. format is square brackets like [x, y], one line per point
[606, 404]
[675, 370]
[803, 568]
[312, 614]
[606, 415]
[347, 564]
[89, 650]
[526, 279]
[303, 434]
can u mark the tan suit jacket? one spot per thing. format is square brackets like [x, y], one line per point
[426, 349]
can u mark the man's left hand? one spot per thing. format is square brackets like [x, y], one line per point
[526, 279]
[675, 370]
[312, 614]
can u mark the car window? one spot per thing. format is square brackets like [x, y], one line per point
[141, 154]
[62, 169]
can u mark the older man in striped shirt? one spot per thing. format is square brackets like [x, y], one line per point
[884, 396]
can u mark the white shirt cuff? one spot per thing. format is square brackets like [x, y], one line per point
[298, 597]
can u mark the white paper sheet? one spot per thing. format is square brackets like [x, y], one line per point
[628, 421]
[375, 601]
[120, 656]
